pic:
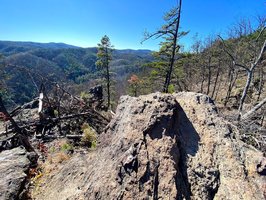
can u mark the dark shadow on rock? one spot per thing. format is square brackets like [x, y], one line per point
[164, 124]
[188, 144]
[188, 135]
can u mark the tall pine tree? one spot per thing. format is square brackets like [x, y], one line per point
[104, 57]
[170, 33]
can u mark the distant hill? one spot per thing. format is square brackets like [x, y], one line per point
[52, 45]
[63, 62]
[11, 47]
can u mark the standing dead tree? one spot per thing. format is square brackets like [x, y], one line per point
[231, 79]
[249, 70]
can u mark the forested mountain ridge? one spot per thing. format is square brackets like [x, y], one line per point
[11, 47]
[61, 62]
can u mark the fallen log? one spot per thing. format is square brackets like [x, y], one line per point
[19, 132]
[75, 137]
[31, 104]
[253, 110]
[95, 116]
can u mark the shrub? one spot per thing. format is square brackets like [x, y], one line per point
[56, 113]
[85, 96]
[52, 149]
[171, 88]
[89, 138]
[66, 147]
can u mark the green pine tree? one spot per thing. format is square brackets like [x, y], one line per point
[104, 57]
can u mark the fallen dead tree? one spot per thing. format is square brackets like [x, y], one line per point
[60, 115]
[97, 121]
[253, 110]
[19, 132]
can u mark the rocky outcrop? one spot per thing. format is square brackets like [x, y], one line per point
[13, 167]
[223, 167]
[162, 146]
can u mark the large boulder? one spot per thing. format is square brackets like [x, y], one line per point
[162, 146]
[223, 166]
[14, 165]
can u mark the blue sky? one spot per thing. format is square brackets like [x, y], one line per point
[84, 22]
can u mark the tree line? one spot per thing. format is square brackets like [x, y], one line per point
[230, 70]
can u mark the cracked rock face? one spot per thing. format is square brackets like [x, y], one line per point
[13, 166]
[163, 146]
[223, 167]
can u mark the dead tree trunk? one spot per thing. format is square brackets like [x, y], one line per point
[262, 119]
[261, 83]
[108, 88]
[249, 70]
[203, 78]
[209, 76]
[245, 91]
[218, 88]
[249, 77]
[253, 110]
[215, 83]
[20, 133]
[233, 74]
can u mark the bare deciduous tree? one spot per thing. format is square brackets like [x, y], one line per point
[249, 67]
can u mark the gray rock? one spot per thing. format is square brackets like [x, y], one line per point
[13, 167]
[163, 146]
[223, 167]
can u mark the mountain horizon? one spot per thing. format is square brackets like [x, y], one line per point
[54, 45]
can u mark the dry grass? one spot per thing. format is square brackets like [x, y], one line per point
[57, 155]
[58, 158]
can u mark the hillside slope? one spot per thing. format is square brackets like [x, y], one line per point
[33, 62]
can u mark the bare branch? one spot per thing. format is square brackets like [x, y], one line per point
[239, 65]
[262, 30]
[263, 48]
[231, 56]
[48, 80]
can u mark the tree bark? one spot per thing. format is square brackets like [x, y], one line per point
[244, 94]
[108, 89]
[233, 74]
[218, 88]
[203, 79]
[261, 83]
[215, 83]
[253, 110]
[209, 75]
